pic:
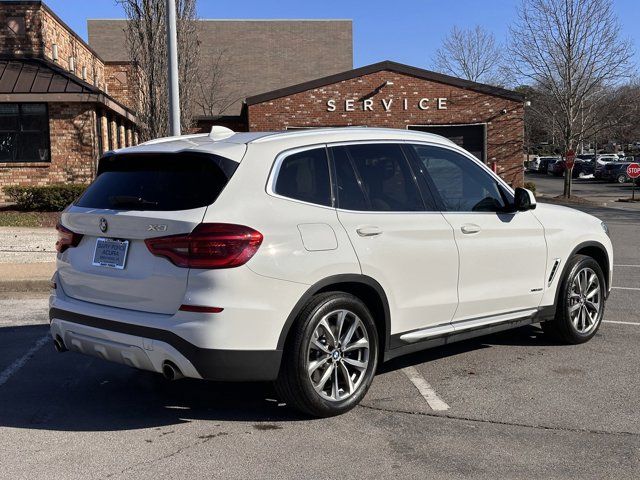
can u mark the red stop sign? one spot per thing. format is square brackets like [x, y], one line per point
[570, 159]
[633, 170]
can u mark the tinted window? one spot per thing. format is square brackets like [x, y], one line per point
[463, 186]
[158, 181]
[384, 175]
[350, 193]
[305, 176]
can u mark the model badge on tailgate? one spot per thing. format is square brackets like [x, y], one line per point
[156, 228]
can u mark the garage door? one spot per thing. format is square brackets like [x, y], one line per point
[469, 137]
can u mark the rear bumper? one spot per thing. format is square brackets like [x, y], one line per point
[148, 348]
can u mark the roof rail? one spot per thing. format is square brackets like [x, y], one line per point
[220, 133]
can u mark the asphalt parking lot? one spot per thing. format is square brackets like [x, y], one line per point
[517, 406]
[590, 189]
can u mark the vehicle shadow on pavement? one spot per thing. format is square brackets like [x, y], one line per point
[527, 336]
[73, 392]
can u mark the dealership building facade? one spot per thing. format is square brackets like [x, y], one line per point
[64, 101]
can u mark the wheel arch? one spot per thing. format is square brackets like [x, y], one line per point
[592, 249]
[362, 286]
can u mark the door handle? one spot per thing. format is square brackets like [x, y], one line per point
[470, 228]
[368, 231]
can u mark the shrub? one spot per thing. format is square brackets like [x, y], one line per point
[530, 186]
[50, 198]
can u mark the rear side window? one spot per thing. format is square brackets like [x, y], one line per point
[158, 181]
[305, 176]
[383, 175]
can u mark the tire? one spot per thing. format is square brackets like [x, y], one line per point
[621, 179]
[570, 324]
[310, 344]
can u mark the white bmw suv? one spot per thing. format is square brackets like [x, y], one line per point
[307, 258]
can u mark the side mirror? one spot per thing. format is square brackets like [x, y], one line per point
[524, 200]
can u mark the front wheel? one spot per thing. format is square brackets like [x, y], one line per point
[580, 302]
[331, 356]
[622, 179]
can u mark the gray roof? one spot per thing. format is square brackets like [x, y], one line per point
[261, 55]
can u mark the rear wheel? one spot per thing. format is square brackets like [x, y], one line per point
[622, 178]
[331, 356]
[580, 302]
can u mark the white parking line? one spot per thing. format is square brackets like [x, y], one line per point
[626, 288]
[621, 323]
[425, 389]
[19, 363]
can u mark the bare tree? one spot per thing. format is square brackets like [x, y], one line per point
[472, 54]
[216, 92]
[572, 52]
[147, 45]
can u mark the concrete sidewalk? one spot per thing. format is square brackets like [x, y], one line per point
[27, 258]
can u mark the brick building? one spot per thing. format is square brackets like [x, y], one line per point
[64, 102]
[486, 120]
[56, 117]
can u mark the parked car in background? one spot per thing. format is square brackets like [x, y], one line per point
[533, 164]
[602, 161]
[581, 168]
[543, 167]
[606, 158]
[615, 172]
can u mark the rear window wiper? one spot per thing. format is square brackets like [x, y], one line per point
[124, 200]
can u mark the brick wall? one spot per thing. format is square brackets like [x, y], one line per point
[20, 27]
[70, 45]
[73, 150]
[32, 30]
[121, 84]
[505, 131]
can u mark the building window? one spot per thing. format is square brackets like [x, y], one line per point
[15, 25]
[24, 132]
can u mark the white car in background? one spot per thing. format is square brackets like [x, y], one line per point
[308, 258]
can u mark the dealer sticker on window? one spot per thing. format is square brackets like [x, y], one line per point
[110, 253]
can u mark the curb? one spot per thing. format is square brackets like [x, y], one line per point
[39, 285]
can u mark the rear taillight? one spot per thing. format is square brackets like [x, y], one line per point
[210, 245]
[66, 238]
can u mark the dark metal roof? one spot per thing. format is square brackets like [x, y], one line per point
[387, 66]
[36, 79]
[39, 76]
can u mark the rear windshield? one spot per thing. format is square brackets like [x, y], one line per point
[175, 181]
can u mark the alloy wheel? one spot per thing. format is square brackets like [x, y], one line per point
[338, 355]
[585, 300]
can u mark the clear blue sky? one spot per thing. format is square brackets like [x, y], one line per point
[406, 31]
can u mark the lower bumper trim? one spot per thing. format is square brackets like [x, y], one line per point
[211, 364]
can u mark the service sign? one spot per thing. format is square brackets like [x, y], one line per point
[385, 104]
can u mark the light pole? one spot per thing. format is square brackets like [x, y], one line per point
[174, 92]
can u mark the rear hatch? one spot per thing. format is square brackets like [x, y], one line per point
[136, 197]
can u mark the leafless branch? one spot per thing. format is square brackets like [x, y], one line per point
[146, 43]
[472, 54]
[571, 51]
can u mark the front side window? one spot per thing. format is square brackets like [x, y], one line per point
[462, 185]
[24, 132]
[375, 177]
[304, 176]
